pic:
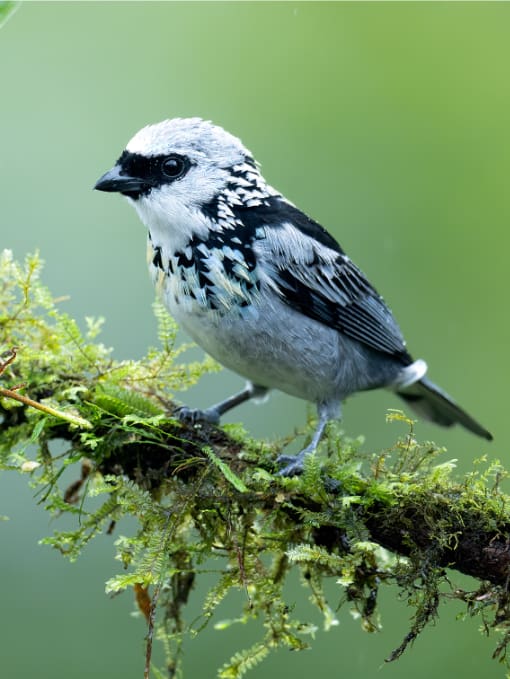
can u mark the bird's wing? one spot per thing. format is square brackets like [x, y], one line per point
[311, 273]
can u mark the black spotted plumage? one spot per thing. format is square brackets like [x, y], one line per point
[211, 208]
[157, 259]
[199, 253]
[275, 210]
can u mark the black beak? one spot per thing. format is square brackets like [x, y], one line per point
[114, 181]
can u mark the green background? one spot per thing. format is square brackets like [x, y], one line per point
[387, 122]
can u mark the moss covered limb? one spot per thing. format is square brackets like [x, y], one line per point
[210, 499]
[447, 524]
[473, 540]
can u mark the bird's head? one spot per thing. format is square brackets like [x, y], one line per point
[174, 171]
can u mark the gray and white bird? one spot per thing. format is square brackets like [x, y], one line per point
[260, 286]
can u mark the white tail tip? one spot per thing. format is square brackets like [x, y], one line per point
[411, 374]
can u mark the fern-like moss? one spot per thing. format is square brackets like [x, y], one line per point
[202, 493]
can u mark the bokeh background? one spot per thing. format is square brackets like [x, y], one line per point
[387, 122]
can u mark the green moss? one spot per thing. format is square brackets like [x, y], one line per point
[207, 498]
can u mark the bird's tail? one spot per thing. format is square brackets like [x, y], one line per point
[432, 403]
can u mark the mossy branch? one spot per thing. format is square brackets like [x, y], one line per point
[210, 498]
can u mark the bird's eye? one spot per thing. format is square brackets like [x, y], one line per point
[174, 166]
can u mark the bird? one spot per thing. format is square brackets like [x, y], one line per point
[263, 288]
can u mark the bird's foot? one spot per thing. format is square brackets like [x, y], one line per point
[196, 416]
[293, 464]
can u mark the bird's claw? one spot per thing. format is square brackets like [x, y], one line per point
[293, 464]
[196, 416]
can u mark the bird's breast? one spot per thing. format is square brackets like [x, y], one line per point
[246, 327]
[204, 276]
[222, 303]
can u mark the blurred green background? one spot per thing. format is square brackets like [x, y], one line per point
[387, 122]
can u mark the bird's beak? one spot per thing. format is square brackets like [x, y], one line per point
[114, 181]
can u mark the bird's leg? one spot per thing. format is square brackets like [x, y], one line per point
[294, 464]
[213, 414]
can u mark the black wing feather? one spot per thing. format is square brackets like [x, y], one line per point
[331, 290]
[360, 314]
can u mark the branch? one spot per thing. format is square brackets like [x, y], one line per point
[428, 519]
[455, 525]
[213, 495]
